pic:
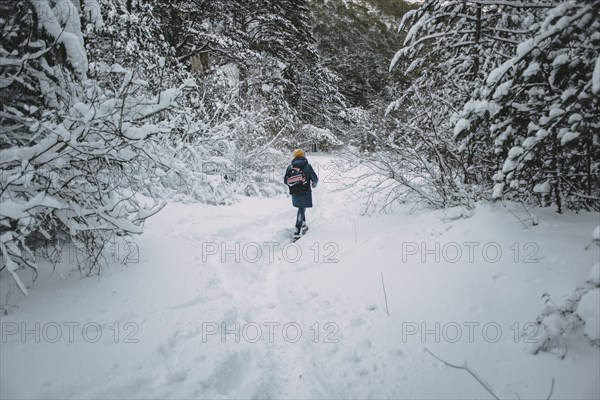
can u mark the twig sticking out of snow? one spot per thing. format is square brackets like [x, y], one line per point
[4, 306]
[533, 218]
[473, 374]
[551, 389]
[387, 311]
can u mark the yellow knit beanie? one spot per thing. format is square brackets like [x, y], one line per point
[298, 153]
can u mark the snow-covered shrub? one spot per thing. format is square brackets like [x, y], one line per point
[218, 148]
[589, 311]
[595, 237]
[217, 173]
[420, 159]
[313, 138]
[408, 177]
[73, 161]
[580, 309]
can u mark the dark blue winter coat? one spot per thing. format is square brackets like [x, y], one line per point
[303, 199]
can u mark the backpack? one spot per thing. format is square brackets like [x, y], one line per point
[296, 180]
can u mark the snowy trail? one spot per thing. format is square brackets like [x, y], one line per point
[258, 297]
[162, 319]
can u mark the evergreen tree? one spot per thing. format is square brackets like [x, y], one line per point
[356, 43]
[541, 108]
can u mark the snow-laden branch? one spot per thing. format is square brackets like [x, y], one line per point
[66, 29]
[402, 52]
[505, 3]
[525, 48]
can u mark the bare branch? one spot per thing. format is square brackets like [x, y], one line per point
[473, 374]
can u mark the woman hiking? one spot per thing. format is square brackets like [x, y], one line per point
[300, 178]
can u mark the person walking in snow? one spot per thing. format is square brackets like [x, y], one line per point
[300, 179]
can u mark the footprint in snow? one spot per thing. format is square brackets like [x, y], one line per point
[176, 376]
[194, 302]
[364, 344]
[354, 322]
[230, 373]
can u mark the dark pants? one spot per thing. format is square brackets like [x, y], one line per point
[300, 217]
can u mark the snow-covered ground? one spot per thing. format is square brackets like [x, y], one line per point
[309, 320]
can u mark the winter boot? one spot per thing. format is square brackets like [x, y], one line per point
[296, 234]
[304, 227]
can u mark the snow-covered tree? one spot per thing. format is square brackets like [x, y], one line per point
[356, 42]
[456, 52]
[263, 46]
[541, 109]
[73, 154]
